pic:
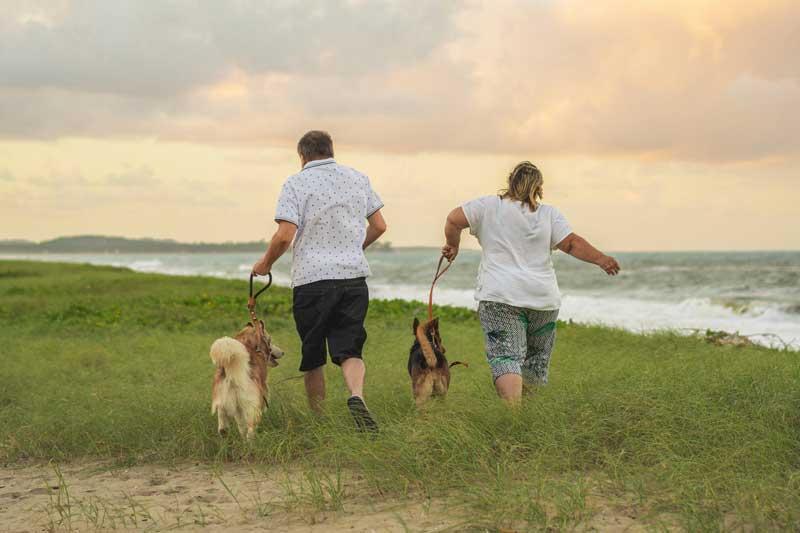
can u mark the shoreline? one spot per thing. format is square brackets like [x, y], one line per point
[623, 313]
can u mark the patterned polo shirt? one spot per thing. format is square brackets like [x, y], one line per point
[329, 203]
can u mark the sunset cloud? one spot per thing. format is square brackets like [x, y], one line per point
[667, 120]
[706, 80]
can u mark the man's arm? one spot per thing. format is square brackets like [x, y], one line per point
[456, 223]
[376, 228]
[278, 245]
[578, 247]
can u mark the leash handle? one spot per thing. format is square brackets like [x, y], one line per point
[251, 308]
[265, 287]
[439, 273]
[251, 302]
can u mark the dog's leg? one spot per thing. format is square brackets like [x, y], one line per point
[253, 417]
[241, 421]
[423, 389]
[439, 385]
[222, 422]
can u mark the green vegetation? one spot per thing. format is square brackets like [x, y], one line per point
[103, 362]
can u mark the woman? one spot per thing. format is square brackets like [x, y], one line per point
[517, 289]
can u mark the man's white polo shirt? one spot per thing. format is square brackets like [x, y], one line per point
[329, 204]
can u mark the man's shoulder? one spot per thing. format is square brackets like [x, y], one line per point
[293, 179]
[350, 170]
[300, 181]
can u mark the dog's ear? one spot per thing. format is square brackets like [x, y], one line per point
[416, 326]
[434, 324]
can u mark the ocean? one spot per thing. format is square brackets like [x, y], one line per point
[753, 293]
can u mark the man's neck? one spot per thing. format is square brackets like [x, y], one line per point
[317, 160]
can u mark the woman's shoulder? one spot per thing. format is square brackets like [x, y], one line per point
[482, 201]
[548, 209]
[486, 198]
[541, 209]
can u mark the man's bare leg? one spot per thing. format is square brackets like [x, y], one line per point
[353, 371]
[315, 388]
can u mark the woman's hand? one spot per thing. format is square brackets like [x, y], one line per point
[450, 252]
[578, 247]
[456, 223]
[608, 264]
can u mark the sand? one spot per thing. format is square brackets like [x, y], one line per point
[91, 496]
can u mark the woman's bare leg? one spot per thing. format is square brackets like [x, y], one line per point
[509, 388]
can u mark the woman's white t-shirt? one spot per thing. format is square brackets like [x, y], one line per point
[516, 265]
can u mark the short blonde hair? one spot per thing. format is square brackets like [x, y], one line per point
[525, 185]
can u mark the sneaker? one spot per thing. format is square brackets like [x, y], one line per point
[361, 415]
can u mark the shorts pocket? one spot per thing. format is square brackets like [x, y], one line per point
[307, 300]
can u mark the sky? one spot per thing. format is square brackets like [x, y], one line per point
[658, 125]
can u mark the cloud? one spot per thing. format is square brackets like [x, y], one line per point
[704, 80]
[65, 188]
[160, 49]
[680, 79]
[132, 177]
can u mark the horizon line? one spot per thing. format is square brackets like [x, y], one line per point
[393, 246]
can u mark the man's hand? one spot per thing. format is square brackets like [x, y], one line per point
[261, 268]
[608, 264]
[278, 245]
[376, 228]
[450, 252]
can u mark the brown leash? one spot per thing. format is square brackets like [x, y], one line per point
[251, 306]
[439, 273]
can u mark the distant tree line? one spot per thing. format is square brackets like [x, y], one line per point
[99, 244]
[102, 244]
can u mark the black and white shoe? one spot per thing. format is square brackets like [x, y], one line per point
[361, 415]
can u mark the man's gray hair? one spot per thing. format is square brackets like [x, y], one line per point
[315, 145]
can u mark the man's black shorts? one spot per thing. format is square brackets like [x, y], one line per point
[331, 311]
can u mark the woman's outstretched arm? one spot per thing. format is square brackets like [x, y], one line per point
[455, 224]
[577, 246]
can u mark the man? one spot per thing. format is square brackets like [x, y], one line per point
[322, 209]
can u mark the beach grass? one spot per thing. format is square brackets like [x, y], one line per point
[105, 363]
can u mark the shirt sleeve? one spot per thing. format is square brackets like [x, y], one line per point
[559, 227]
[474, 211]
[288, 208]
[373, 200]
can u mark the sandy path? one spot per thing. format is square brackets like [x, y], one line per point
[93, 497]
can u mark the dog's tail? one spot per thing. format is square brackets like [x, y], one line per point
[231, 355]
[427, 348]
[462, 363]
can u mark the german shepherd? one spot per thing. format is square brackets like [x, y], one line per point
[427, 365]
[240, 391]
